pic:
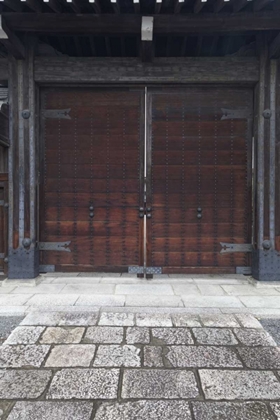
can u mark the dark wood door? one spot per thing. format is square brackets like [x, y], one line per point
[199, 178]
[92, 182]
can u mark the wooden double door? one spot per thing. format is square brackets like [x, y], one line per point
[143, 177]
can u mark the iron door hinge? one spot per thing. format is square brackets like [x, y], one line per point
[57, 113]
[227, 248]
[55, 246]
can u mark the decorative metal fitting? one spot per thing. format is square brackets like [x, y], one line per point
[266, 244]
[25, 114]
[6, 205]
[267, 114]
[26, 242]
[6, 260]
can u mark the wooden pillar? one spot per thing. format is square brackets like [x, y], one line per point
[266, 258]
[23, 261]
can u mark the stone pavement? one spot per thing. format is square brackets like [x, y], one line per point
[138, 364]
[226, 294]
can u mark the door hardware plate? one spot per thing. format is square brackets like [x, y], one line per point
[227, 248]
[244, 270]
[55, 246]
[46, 268]
[57, 113]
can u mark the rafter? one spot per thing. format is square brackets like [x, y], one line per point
[95, 4]
[274, 49]
[158, 6]
[13, 5]
[75, 6]
[11, 41]
[33, 5]
[116, 6]
[199, 5]
[178, 5]
[240, 4]
[54, 5]
[136, 4]
[219, 5]
[260, 4]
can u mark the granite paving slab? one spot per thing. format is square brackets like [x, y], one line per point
[79, 318]
[117, 356]
[121, 319]
[229, 410]
[144, 410]
[84, 384]
[254, 337]
[260, 357]
[153, 356]
[23, 384]
[62, 335]
[153, 320]
[22, 356]
[272, 326]
[42, 410]
[242, 385]
[137, 335]
[79, 355]
[46, 318]
[7, 325]
[276, 409]
[172, 336]
[186, 320]
[105, 335]
[157, 384]
[202, 356]
[25, 335]
[214, 336]
[221, 321]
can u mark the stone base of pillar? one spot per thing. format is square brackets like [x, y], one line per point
[266, 265]
[23, 263]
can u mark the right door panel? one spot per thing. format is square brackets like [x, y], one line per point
[198, 178]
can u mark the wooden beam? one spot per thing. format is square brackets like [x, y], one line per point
[260, 4]
[11, 41]
[67, 23]
[274, 49]
[34, 5]
[54, 5]
[136, 4]
[4, 69]
[116, 6]
[178, 6]
[198, 5]
[161, 70]
[158, 5]
[239, 5]
[219, 5]
[184, 46]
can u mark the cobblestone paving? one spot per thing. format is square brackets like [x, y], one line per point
[138, 366]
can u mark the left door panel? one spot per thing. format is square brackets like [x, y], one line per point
[91, 178]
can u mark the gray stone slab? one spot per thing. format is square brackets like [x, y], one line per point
[261, 301]
[79, 318]
[89, 289]
[153, 320]
[73, 355]
[242, 385]
[221, 321]
[185, 320]
[6, 289]
[14, 300]
[272, 326]
[117, 356]
[260, 357]
[137, 335]
[62, 335]
[254, 337]
[7, 325]
[210, 290]
[42, 318]
[248, 321]
[39, 289]
[157, 383]
[101, 300]
[144, 289]
[121, 319]
[186, 289]
[228, 410]
[154, 301]
[84, 384]
[202, 357]
[25, 335]
[42, 410]
[172, 336]
[214, 336]
[104, 335]
[62, 299]
[21, 384]
[276, 409]
[144, 410]
[153, 356]
[191, 301]
[22, 356]
[248, 290]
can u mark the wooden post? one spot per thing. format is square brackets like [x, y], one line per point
[266, 259]
[23, 251]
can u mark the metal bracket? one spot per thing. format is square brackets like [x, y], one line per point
[57, 113]
[142, 270]
[234, 114]
[227, 248]
[244, 270]
[153, 270]
[55, 246]
[47, 268]
[135, 269]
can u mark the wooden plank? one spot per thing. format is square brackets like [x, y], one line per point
[131, 24]
[179, 70]
[3, 69]
[13, 44]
